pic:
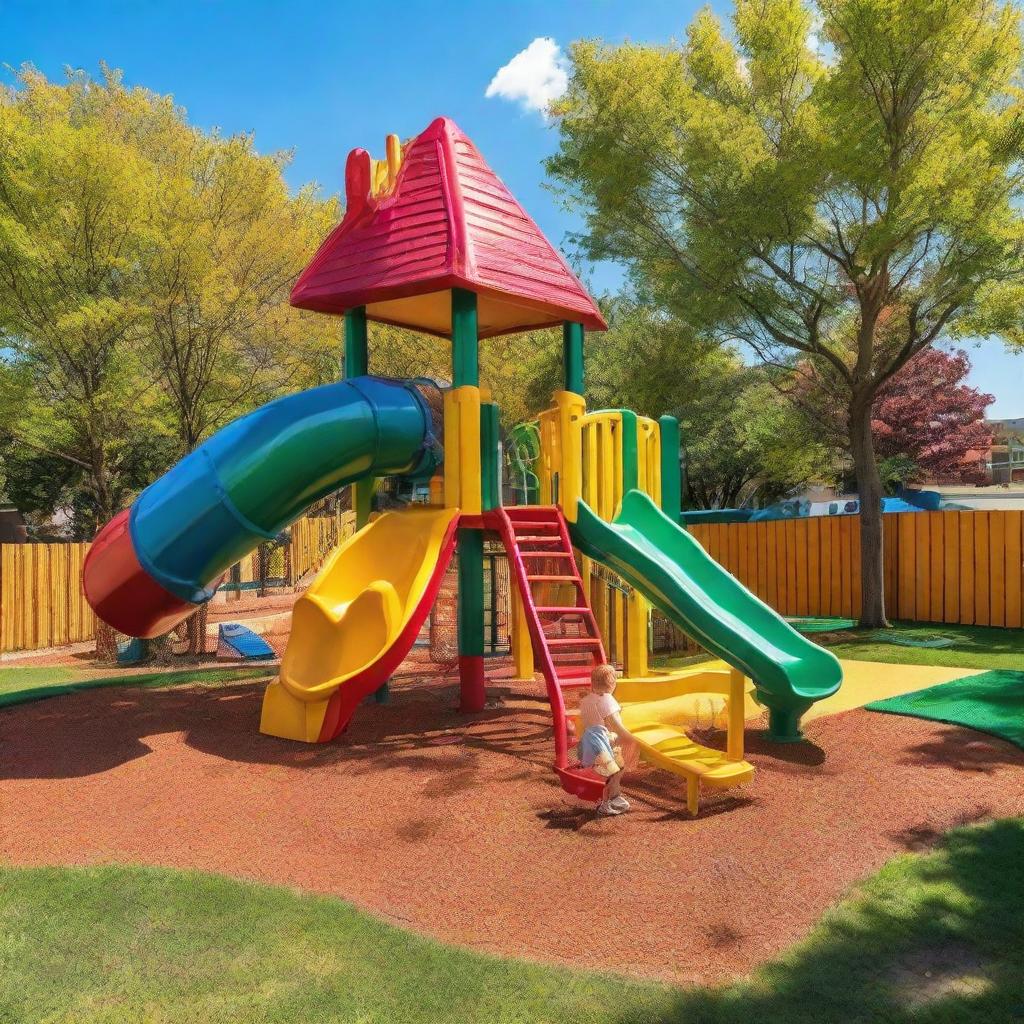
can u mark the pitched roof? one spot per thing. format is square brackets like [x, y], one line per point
[445, 221]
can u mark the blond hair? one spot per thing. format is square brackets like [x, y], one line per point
[602, 679]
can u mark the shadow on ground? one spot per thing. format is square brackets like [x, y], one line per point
[932, 939]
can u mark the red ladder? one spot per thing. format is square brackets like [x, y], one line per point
[540, 552]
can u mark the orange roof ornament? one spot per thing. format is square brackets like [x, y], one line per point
[430, 217]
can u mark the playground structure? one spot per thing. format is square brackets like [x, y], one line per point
[433, 241]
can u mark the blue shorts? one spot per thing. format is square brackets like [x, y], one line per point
[596, 751]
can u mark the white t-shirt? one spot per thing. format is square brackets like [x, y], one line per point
[596, 707]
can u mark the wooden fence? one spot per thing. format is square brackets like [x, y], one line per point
[41, 598]
[955, 567]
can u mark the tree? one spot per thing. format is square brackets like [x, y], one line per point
[928, 413]
[742, 443]
[847, 202]
[144, 276]
[72, 230]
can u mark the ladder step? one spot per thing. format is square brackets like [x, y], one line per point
[551, 539]
[555, 579]
[540, 527]
[545, 554]
[563, 609]
[574, 682]
[574, 641]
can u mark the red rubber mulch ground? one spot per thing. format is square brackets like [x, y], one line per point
[471, 841]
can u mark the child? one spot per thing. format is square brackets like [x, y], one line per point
[599, 715]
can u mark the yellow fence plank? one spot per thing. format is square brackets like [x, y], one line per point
[950, 566]
[1014, 571]
[905, 570]
[813, 565]
[967, 568]
[801, 534]
[922, 566]
[982, 612]
[996, 570]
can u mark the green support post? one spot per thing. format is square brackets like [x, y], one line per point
[671, 490]
[572, 356]
[466, 371]
[465, 345]
[490, 469]
[356, 365]
[356, 347]
[630, 463]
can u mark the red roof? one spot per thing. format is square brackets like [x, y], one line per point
[448, 222]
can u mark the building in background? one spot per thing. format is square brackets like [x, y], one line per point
[1006, 457]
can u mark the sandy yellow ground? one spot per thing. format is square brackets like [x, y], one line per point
[865, 681]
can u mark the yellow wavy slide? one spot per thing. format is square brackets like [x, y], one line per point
[357, 621]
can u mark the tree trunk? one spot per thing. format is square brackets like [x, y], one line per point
[869, 490]
[196, 625]
[106, 643]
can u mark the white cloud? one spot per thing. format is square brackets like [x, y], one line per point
[534, 77]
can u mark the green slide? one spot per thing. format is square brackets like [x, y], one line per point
[678, 576]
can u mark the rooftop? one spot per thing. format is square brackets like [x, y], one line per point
[431, 217]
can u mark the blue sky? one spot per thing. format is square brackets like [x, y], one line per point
[320, 79]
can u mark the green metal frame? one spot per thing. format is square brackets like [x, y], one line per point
[572, 356]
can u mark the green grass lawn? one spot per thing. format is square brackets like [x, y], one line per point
[20, 684]
[974, 647]
[933, 938]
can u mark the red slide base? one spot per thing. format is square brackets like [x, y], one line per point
[471, 679]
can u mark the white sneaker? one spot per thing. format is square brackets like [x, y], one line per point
[608, 807]
[620, 803]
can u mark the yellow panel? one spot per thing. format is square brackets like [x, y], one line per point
[522, 646]
[635, 663]
[432, 312]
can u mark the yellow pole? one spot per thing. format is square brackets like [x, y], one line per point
[636, 665]
[619, 606]
[599, 604]
[522, 646]
[737, 718]
[571, 409]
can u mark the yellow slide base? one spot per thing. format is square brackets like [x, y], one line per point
[699, 695]
[665, 745]
[657, 710]
[290, 718]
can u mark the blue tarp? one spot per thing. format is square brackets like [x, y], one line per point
[244, 641]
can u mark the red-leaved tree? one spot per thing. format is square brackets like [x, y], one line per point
[928, 414]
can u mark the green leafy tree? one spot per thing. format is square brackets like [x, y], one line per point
[144, 275]
[838, 184]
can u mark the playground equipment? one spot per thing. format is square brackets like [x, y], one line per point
[432, 240]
